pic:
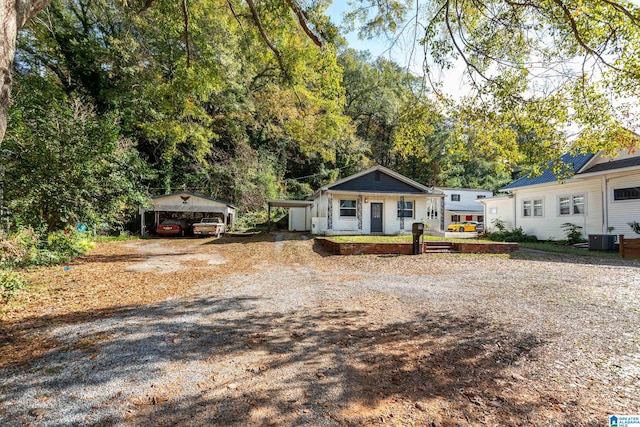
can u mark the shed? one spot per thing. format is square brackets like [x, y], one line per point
[187, 205]
[299, 213]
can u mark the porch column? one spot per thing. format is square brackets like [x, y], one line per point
[402, 215]
[329, 211]
[359, 212]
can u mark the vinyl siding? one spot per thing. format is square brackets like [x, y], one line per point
[549, 226]
[622, 212]
[504, 212]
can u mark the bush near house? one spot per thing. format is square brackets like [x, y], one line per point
[513, 236]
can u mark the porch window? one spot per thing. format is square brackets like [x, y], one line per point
[432, 208]
[526, 208]
[347, 208]
[405, 209]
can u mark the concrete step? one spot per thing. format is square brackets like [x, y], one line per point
[439, 251]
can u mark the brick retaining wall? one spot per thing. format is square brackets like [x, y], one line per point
[407, 248]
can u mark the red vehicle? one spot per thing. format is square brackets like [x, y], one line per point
[172, 227]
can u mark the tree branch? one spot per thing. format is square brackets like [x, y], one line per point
[186, 32]
[265, 37]
[302, 19]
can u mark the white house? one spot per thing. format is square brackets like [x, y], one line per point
[374, 201]
[602, 196]
[460, 204]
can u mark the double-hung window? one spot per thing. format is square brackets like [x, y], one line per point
[533, 208]
[571, 205]
[405, 209]
[578, 204]
[455, 197]
[537, 207]
[347, 208]
[564, 205]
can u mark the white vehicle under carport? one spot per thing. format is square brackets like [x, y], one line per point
[208, 227]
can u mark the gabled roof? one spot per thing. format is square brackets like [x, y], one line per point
[378, 179]
[613, 165]
[188, 193]
[576, 162]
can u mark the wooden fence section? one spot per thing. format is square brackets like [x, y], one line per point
[629, 248]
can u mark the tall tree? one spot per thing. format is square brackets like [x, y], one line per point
[576, 61]
[13, 16]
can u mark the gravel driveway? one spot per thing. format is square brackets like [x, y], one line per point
[259, 332]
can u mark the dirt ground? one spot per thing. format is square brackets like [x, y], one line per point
[269, 330]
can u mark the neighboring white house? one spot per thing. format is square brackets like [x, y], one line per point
[460, 204]
[602, 196]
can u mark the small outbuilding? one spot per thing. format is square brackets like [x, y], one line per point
[299, 213]
[185, 205]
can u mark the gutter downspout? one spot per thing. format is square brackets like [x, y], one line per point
[515, 211]
[605, 204]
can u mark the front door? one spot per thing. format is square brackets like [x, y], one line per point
[376, 217]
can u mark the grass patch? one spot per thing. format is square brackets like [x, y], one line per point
[569, 250]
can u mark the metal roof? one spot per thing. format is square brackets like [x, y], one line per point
[476, 207]
[577, 162]
[193, 194]
[289, 203]
[616, 164]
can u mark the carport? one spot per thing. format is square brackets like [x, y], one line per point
[188, 205]
[299, 213]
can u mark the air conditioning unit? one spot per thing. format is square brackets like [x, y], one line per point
[602, 242]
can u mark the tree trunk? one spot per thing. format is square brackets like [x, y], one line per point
[13, 15]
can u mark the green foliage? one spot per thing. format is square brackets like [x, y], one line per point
[535, 69]
[28, 248]
[499, 224]
[516, 235]
[635, 226]
[64, 163]
[573, 233]
[10, 282]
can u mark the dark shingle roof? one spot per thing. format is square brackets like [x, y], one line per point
[577, 161]
[616, 164]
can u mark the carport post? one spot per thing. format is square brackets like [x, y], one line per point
[268, 217]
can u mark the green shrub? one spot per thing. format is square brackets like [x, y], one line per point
[10, 282]
[574, 235]
[20, 249]
[517, 235]
[28, 248]
[635, 226]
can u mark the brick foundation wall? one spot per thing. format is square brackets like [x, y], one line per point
[407, 248]
[486, 248]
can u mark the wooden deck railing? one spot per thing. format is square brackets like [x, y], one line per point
[629, 248]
